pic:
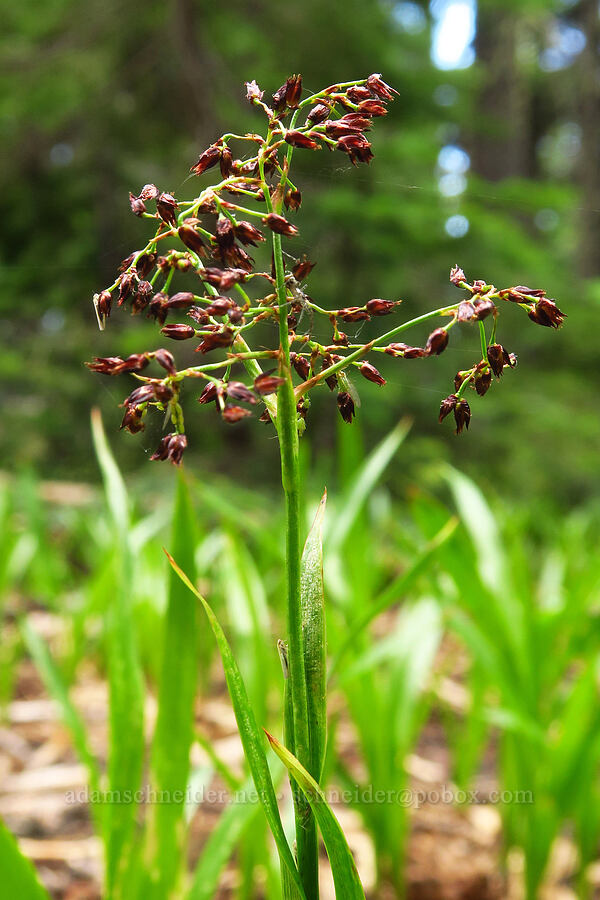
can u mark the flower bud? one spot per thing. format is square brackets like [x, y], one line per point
[138, 207]
[358, 93]
[466, 312]
[447, 406]
[437, 342]
[457, 275]
[346, 406]
[482, 380]
[133, 420]
[379, 307]
[127, 284]
[318, 114]
[357, 147]
[233, 414]
[546, 312]
[353, 314]
[114, 365]
[371, 373]
[340, 339]
[166, 206]
[158, 307]
[462, 415]
[104, 303]
[301, 365]
[171, 447]
[220, 306]
[337, 128]
[280, 225]
[165, 359]
[145, 263]
[483, 308]
[149, 192]
[223, 279]
[209, 394]
[302, 268]
[299, 139]
[293, 91]
[207, 159]
[142, 394]
[221, 338]
[415, 353]
[267, 383]
[181, 300]
[239, 391]
[372, 108]
[178, 332]
[253, 92]
[292, 199]
[380, 88]
[192, 240]
[248, 234]
[226, 162]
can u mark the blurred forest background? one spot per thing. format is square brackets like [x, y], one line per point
[489, 159]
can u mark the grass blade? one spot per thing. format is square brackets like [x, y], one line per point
[57, 689]
[221, 844]
[343, 868]
[251, 740]
[313, 629]
[174, 733]
[19, 878]
[366, 479]
[126, 713]
[395, 590]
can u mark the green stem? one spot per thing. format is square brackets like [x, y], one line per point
[483, 340]
[366, 348]
[287, 432]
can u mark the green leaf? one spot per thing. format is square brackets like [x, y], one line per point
[174, 733]
[19, 878]
[395, 590]
[221, 844]
[126, 698]
[57, 689]
[313, 630]
[251, 741]
[343, 868]
[365, 480]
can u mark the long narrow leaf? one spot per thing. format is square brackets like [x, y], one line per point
[343, 868]
[251, 738]
[395, 590]
[19, 878]
[57, 689]
[174, 732]
[221, 844]
[126, 713]
[313, 629]
[366, 479]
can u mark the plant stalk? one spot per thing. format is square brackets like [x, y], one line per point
[287, 432]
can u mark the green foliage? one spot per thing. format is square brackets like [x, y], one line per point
[250, 736]
[19, 878]
[174, 733]
[343, 868]
[126, 702]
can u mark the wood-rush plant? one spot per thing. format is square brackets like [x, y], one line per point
[227, 298]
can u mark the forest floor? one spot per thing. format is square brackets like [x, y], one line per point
[454, 851]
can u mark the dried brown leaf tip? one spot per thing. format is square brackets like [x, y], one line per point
[252, 201]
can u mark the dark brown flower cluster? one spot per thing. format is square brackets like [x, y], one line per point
[495, 358]
[213, 239]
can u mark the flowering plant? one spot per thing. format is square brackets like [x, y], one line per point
[229, 297]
